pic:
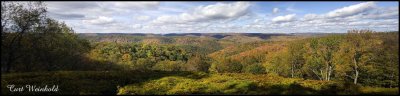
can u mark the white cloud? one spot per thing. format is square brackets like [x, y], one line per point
[54, 6]
[137, 26]
[136, 5]
[310, 17]
[172, 9]
[101, 20]
[217, 11]
[358, 15]
[142, 18]
[73, 10]
[381, 13]
[275, 10]
[360, 23]
[162, 17]
[80, 10]
[357, 11]
[351, 10]
[286, 18]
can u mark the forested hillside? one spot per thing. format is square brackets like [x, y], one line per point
[38, 50]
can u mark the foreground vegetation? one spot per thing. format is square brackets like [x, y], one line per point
[166, 82]
[81, 82]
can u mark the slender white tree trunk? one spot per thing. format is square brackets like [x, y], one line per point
[322, 74]
[356, 70]
[329, 73]
[356, 77]
[292, 70]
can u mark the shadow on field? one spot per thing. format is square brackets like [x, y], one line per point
[83, 82]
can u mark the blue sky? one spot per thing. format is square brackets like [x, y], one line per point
[218, 17]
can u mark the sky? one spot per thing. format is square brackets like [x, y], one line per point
[225, 17]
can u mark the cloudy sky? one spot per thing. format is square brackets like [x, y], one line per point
[212, 17]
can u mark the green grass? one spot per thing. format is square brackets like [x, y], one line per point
[181, 83]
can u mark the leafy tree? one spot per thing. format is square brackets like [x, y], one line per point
[328, 46]
[355, 53]
[278, 63]
[143, 64]
[295, 58]
[198, 63]
[319, 56]
[384, 71]
[224, 64]
[16, 21]
[127, 58]
[33, 42]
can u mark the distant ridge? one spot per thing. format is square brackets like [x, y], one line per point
[214, 35]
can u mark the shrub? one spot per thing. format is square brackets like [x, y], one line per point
[255, 69]
[154, 87]
[143, 64]
[379, 90]
[169, 66]
[197, 63]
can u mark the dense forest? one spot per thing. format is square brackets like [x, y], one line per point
[36, 49]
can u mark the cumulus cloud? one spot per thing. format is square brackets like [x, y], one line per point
[275, 10]
[356, 11]
[217, 11]
[362, 15]
[286, 18]
[351, 10]
[101, 20]
[357, 14]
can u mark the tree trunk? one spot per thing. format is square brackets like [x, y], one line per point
[9, 61]
[11, 49]
[292, 70]
[322, 74]
[356, 77]
[329, 73]
[356, 70]
[8, 67]
[316, 74]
